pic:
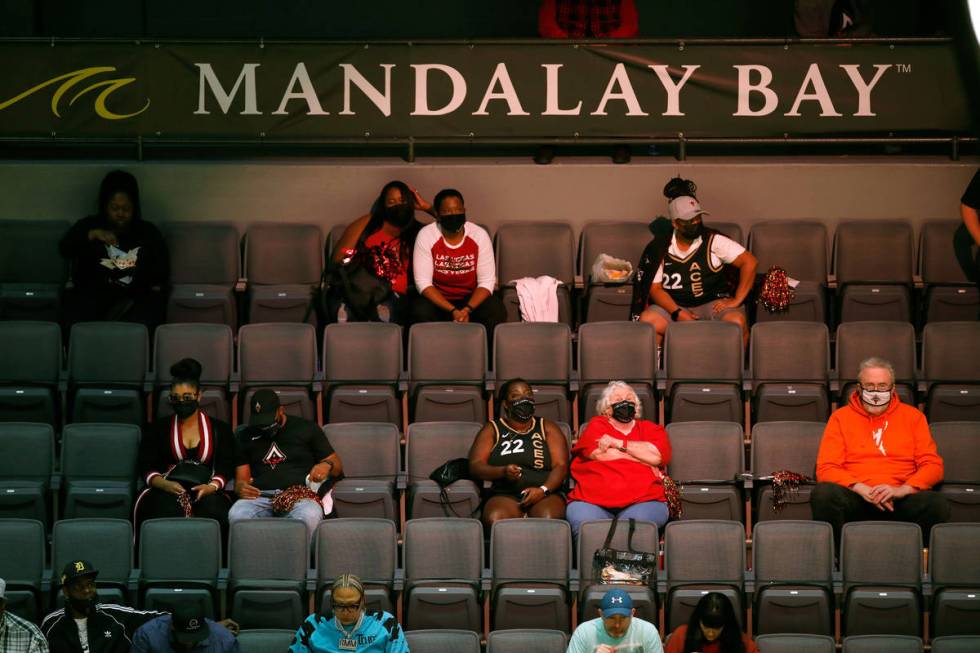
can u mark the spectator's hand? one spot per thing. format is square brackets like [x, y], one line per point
[420, 202]
[104, 235]
[203, 490]
[686, 316]
[865, 492]
[530, 496]
[724, 304]
[231, 625]
[513, 472]
[605, 648]
[461, 315]
[319, 472]
[246, 490]
[608, 442]
[173, 487]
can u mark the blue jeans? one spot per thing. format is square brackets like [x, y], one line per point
[307, 510]
[579, 512]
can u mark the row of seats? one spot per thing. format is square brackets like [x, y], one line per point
[360, 376]
[282, 262]
[97, 472]
[441, 579]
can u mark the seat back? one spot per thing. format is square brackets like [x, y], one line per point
[539, 352]
[203, 252]
[881, 553]
[530, 550]
[362, 351]
[951, 352]
[250, 542]
[265, 640]
[522, 640]
[878, 643]
[704, 551]
[282, 253]
[430, 444]
[936, 264]
[873, 250]
[365, 547]
[592, 536]
[790, 352]
[625, 351]
[24, 543]
[179, 549]
[103, 452]
[956, 644]
[31, 353]
[26, 452]
[106, 543]
[277, 354]
[790, 551]
[108, 353]
[446, 353]
[532, 249]
[893, 341]
[442, 548]
[952, 555]
[797, 246]
[624, 240]
[29, 251]
[440, 641]
[212, 345]
[367, 449]
[690, 440]
[790, 446]
[958, 443]
[703, 350]
[795, 643]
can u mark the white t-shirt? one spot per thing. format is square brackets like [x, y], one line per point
[723, 250]
[82, 625]
[641, 637]
[455, 270]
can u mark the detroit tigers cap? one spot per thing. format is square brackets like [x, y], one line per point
[615, 602]
[684, 208]
[77, 569]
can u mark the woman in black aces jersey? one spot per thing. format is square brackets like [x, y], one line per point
[525, 457]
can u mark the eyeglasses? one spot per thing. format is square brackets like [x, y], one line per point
[174, 398]
[347, 607]
[880, 387]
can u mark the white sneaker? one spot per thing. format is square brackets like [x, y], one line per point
[342, 313]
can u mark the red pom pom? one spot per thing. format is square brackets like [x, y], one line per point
[776, 294]
[285, 500]
[785, 484]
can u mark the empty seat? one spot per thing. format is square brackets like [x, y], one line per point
[794, 564]
[622, 240]
[951, 370]
[106, 543]
[283, 263]
[624, 351]
[958, 443]
[893, 341]
[22, 565]
[709, 484]
[265, 590]
[447, 367]
[591, 537]
[212, 345]
[950, 296]
[881, 566]
[703, 364]
[784, 446]
[362, 363]
[443, 563]
[795, 643]
[26, 464]
[30, 366]
[371, 455]
[956, 644]
[364, 547]
[532, 249]
[265, 640]
[524, 640]
[205, 263]
[790, 367]
[429, 445]
[541, 354]
[873, 263]
[441, 641]
[879, 643]
[32, 272]
[179, 561]
[702, 556]
[800, 248]
[281, 357]
[954, 569]
[98, 465]
[107, 367]
[530, 562]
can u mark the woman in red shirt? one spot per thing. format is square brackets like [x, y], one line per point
[712, 628]
[617, 463]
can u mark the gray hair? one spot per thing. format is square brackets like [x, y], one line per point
[877, 363]
[603, 402]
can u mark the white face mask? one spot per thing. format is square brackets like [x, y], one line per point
[876, 397]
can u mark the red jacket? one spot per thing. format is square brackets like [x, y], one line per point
[895, 447]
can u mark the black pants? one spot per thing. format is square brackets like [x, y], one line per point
[838, 505]
[95, 304]
[963, 249]
[158, 503]
[489, 313]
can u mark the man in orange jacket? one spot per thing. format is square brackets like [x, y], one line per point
[877, 459]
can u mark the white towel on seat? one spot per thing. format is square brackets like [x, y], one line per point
[538, 298]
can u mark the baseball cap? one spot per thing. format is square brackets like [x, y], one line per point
[77, 569]
[684, 208]
[615, 602]
[190, 627]
[264, 405]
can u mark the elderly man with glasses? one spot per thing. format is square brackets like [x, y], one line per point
[877, 459]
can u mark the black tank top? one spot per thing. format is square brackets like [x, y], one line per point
[529, 450]
[692, 281]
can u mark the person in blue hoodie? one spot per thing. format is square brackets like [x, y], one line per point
[351, 628]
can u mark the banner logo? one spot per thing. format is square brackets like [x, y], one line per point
[68, 83]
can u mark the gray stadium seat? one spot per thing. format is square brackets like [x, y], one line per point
[949, 296]
[281, 357]
[212, 345]
[790, 366]
[893, 341]
[371, 455]
[106, 543]
[22, 565]
[951, 369]
[532, 249]
[954, 570]
[702, 556]
[794, 564]
[442, 641]
[179, 562]
[26, 464]
[623, 240]
[283, 263]
[32, 273]
[881, 567]
[524, 640]
[530, 562]
[364, 547]
[447, 366]
[624, 351]
[873, 263]
[98, 466]
[107, 368]
[784, 446]
[703, 364]
[800, 248]
[591, 537]
[443, 564]
[31, 355]
[795, 643]
[267, 563]
[429, 445]
[710, 485]
[205, 264]
[879, 643]
[541, 354]
[266, 640]
[362, 364]
[956, 644]
[959, 445]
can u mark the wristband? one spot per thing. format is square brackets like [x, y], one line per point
[469, 308]
[544, 488]
[675, 313]
[623, 447]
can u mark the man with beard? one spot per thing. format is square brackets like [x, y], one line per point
[85, 625]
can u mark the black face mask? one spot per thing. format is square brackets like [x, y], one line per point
[399, 215]
[690, 230]
[521, 410]
[83, 606]
[624, 411]
[452, 223]
[185, 407]
[273, 430]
